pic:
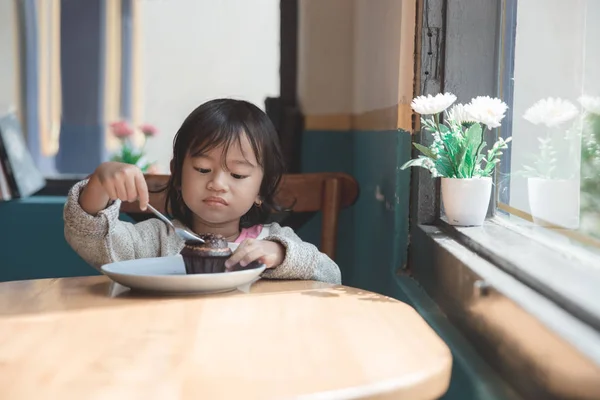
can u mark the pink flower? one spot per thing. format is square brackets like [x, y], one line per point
[121, 129]
[149, 130]
[153, 169]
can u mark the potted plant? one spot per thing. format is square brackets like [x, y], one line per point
[457, 153]
[552, 172]
[128, 153]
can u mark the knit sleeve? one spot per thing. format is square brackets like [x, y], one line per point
[103, 238]
[302, 260]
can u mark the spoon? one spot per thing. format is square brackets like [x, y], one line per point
[184, 234]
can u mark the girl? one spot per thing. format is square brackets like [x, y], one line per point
[225, 170]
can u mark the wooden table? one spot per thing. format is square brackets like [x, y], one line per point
[89, 338]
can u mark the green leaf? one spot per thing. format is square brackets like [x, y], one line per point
[472, 142]
[417, 162]
[460, 162]
[467, 165]
[444, 167]
[453, 145]
[444, 129]
[425, 150]
[480, 156]
[481, 149]
[473, 135]
[428, 124]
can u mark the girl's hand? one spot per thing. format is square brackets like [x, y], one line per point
[112, 181]
[266, 252]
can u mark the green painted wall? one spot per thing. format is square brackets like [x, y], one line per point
[32, 241]
[32, 244]
[373, 234]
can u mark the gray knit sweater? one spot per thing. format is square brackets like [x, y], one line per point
[104, 239]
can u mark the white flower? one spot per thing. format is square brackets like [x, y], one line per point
[590, 104]
[487, 110]
[427, 105]
[459, 114]
[551, 112]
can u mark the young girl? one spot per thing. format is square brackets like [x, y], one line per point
[225, 170]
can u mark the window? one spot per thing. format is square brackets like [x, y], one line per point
[549, 182]
[82, 67]
[547, 229]
[542, 265]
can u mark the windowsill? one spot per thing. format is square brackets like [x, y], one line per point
[485, 281]
[569, 276]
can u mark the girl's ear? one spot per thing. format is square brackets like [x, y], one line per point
[258, 201]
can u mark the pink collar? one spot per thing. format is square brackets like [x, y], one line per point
[249, 233]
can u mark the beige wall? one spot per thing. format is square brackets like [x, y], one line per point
[377, 36]
[355, 56]
[325, 48]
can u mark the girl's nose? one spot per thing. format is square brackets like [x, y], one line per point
[217, 183]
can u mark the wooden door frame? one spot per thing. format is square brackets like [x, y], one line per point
[284, 110]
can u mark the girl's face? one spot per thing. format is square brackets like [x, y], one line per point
[220, 188]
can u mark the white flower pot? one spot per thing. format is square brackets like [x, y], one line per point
[466, 200]
[554, 202]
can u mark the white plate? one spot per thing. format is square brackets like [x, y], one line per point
[167, 275]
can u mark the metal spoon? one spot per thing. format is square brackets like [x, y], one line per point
[184, 234]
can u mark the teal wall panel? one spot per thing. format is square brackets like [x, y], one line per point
[32, 241]
[373, 233]
[33, 244]
[326, 151]
[381, 213]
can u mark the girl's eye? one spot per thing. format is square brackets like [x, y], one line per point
[203, 170]
[236, 176]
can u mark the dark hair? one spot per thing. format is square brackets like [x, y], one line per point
[223, 122]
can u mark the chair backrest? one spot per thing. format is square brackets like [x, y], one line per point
[328, 192]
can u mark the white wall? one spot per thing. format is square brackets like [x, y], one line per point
[197, 50]
[8, 54]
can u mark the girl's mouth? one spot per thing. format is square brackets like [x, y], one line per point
[214, 200]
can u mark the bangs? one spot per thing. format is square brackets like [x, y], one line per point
[226, 136]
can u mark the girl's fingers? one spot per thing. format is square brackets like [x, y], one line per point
[235, 258]
[110, 190]
[120, 189]
[251, 256]
[142, 190]
[244, 248]
[130, 187]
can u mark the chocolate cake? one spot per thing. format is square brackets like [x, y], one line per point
[208, 257]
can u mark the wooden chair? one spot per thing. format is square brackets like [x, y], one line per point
[328, 192]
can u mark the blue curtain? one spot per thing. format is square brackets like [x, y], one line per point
[28, 43]
[82, 138]
[126, 58]
[82, 143]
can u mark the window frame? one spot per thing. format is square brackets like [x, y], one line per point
[452, 56]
